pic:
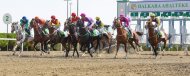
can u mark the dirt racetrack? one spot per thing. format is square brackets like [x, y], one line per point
[32, 64]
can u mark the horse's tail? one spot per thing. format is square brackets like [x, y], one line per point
[139, 33]
[169, 36]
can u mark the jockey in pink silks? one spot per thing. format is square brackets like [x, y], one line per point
[125, 21]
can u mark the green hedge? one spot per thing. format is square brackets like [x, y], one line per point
[4, 43]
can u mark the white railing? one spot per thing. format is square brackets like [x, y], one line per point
[10, 39]
[7, 39]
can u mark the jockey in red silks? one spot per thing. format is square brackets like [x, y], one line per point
[74, 18]
[87, 19]
[125, 21]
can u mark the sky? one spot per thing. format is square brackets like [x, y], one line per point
[106, 9]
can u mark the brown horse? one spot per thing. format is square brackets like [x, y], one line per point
[135, 37]
[153, 38]
[39, 37]
[105, 38]
[122, 36]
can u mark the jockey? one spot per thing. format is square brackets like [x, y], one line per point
[55, 22]
[125, 22]
[74, 18]
[153, 18]
[99, 24]
[41, 24]
[87, 19]
[24, 24]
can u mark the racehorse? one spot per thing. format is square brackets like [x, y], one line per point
[85, 38]
[39, 37]
[135, 38]
[122, 36]
[73, 37]
[55, 38]
[21, 37]
[135, 35]
[153, 38]
[105, 37]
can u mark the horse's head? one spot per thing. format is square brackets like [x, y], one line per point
[66, 23]
[116, 23]
[14, 27]
[33, 24]
[80, 23]
[48, 23]
[149, 24]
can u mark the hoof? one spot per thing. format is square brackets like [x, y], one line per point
[48, 52]
[154, 57]
[126, 57]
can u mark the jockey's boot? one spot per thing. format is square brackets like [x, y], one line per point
[159, 36]
[59, 33]
[130, 34]
[28, 32]
[45, 33]
[90, 32]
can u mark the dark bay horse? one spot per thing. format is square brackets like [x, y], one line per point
[153, 38]
[122, 36]
[39, 37]
[55, 38]
[73, 36]
[85, 38]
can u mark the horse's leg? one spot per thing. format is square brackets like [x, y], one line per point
[88, 45]
[14, 49]
[98, 45]
[34, 46]
[131, 43]
[125, 44]
[138, 45]
[164, 47]
[66, 48]
[42, 48]
[20, 44]
[118, 45]
[76, 49]
[46, 47]
[109, 47]
[81, 46]
[52, 46]
[155, 50]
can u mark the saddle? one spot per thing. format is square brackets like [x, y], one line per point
[60, 33]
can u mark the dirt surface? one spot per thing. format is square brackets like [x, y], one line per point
[54, 64]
